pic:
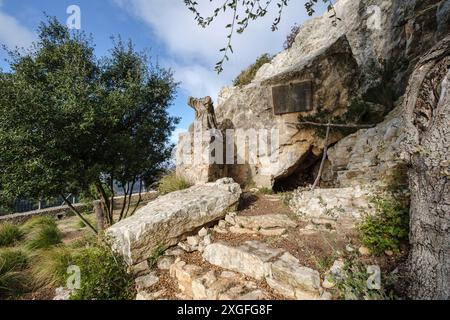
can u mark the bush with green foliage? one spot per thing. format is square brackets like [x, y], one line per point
[171, 182]
[247, 76]
[352, 284]
[13, 279]
[389, 227]
[104, 276]
[9, 234]
[41, 233]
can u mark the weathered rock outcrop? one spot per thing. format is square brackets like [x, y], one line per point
[170, 218]
[368, 156]
[364, 61]
[339, 203]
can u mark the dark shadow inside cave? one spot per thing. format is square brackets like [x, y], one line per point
[301, 175]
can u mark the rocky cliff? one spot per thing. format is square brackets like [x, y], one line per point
[358, 71]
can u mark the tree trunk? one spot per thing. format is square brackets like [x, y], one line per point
[99, 215]
[426, 146]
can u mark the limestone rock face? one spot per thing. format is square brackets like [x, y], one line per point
[368, 156]
[170, 218]
[365, 58]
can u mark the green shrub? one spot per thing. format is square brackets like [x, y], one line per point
[389, 227]
[50, 266]
[171, 183]
[9, 234]
[41, 233]
[246, 76]
[13, 279]
[103, 276]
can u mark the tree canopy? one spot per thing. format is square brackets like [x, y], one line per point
[70, 120]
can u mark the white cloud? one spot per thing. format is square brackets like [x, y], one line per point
[12, 33]
[193, 51]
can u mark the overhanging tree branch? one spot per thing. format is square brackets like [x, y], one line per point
[74, 210]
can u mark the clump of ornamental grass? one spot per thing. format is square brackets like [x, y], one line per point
[41, 233]
[14, 280]
[50, 266]
[9, 234]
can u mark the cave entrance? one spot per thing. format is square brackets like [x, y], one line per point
[301, 175]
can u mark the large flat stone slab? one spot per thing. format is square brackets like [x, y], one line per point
[253, 258]
[167, 220]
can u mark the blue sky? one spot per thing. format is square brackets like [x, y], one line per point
[166, 28]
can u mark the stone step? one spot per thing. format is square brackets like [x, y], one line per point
[197, 283]
[253, 258]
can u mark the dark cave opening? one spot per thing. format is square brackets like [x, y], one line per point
[301, 175]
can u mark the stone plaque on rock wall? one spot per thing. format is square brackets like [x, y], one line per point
[292, 97]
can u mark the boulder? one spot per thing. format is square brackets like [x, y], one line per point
[253, 258]
[291, 279]
[170, 218]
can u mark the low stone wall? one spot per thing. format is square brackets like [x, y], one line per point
[64, 211]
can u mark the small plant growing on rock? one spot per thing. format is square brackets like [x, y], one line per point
[157, 253]
[247, 75]
[266, 191]
[290, 38]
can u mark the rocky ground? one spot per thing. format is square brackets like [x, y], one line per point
[262, 251]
